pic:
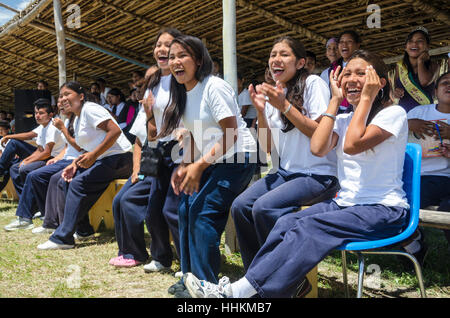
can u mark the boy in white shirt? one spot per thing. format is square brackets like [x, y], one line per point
[49, 144]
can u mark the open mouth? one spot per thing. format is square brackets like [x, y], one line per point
[179, 72]
[163, 59]
[277, 71]
[345, 50]
[353, 92]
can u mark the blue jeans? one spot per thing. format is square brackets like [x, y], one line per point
[299, 241]
[162, 215]
[35, 189]
[19, 174]
[85, 189]
[14, 147]
[203, 216]
[130, 212]
[257, 209]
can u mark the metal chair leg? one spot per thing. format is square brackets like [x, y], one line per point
[344, 273]
[360, 275]
[418, 273]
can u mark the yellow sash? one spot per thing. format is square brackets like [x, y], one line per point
[414, 90]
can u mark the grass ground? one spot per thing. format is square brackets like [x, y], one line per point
[83, 272]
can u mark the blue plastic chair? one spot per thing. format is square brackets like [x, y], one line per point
[411, 185]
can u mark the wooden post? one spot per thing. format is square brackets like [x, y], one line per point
[229, 43]
[60, 41]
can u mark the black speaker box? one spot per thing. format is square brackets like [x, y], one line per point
[24, 109]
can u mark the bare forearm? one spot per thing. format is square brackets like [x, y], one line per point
[322, 139]
[306, 125]
[264, 133]
[37, 156]
[110, 138]
[219, 149]
[137, 156]
[23, 136]
[357, 128]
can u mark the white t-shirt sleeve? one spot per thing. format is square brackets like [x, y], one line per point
[221, 101]
[417, 112]
[390, 119]
[316, 96]
[51, 134]
[244, 98]
[324, 76]
[37, 130]
[96, 115]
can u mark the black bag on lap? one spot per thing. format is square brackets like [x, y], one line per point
[153, 158]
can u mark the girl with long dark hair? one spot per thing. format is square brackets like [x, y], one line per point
[415, 73]
[150, 199]
[206, 105]
[290, 115]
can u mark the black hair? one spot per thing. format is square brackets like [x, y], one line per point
[440, 78]
[5, 124]
[173, 112]
[384, 95]
[154, 80]
[79, 89]
[312, 55]
[138, 72]
[43, 103]
[43, 82]
[95, 83]
[117, 92]
[101, 80]
[355, 36]
[296, 86]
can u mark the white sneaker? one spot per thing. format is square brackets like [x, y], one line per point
[178, 274]
[42, 230]
[19, 224]
[82, 238]
[203, 289]
[38, 214]
[49, 245]
[155, 266]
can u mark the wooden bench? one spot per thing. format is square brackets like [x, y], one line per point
[429, 217]
[9, 192]
[102, 209]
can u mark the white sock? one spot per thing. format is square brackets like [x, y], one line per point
[242, 289]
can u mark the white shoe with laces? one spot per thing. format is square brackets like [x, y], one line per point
[49, 245]
[203, 289]
[19, 224]
[42, 230]
[155, 266]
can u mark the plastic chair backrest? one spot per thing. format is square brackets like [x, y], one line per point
[411, 185]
